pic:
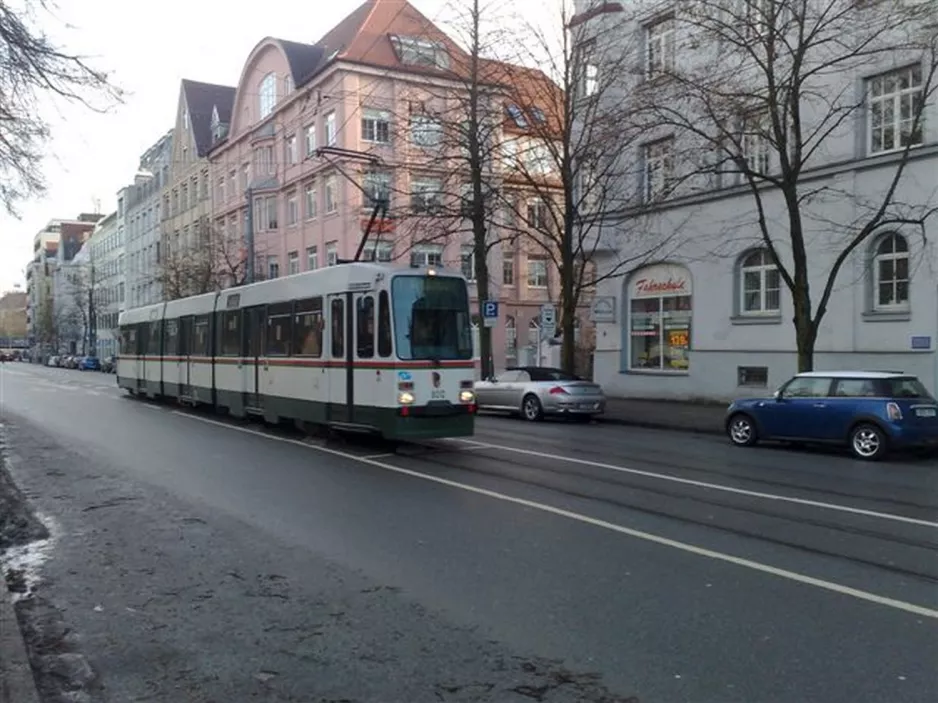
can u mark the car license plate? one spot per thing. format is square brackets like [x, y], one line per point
[926, 412]
[587, 406]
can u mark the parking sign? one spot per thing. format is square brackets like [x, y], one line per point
[548, 321]
[490, 313]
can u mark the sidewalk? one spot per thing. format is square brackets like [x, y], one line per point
[699, 417]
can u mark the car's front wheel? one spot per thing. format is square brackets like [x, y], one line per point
[868, 442]
[531, 408]
[742, 430]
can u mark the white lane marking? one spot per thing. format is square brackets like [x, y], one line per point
[612, 527]
[703, 484]
[155, 407]
[373, 456]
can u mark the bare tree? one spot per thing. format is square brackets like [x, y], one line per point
[569, 156]
[215, 261]
[33, 68]
[766, 91]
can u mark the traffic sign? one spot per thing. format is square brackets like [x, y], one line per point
[490, 313]
[548, 321]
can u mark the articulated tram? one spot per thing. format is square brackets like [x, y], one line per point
[360, 346]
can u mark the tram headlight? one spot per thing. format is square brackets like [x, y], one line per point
[405, 398]
[466, 396]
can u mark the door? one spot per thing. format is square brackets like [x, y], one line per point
[366, 379]
[185, 352]
[801, 410]
[513, 391]
[143, 341]
[172, 360]
[340, 370]
[252, 354]
[499, 392]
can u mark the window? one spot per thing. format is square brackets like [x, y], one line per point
[384, 325]
[287, 84]
[420, 52]
[267, 95]
[279, 329]
[659, 319]
[760, 284]
[270, 206]
[538, 115]
[290, 149]
[855, 388]
[807, 387]
[330, 186]
[895, 101]
[379, 251]
[538, 160]
[245, 176]
[293, 263]
[425, 255]
[891, 273]
[365, 327]
[753, 376]
[431, 317]
[508, 272]
[230, 333]
[311, 140]
[330, 129]
[426, 195]
[590, 79]
[307, 328]
[293, 208]
[426, 131]
[468, 262]
[537, 273]
[332, 255]
[511, 337]
[377, 187]
[273, 267]
[376, 126]
[264, 160]
[755, 144]
[659, 47]
[537, 214]
[312, 259]
[658, 168]
[337, 329]
[517, 116]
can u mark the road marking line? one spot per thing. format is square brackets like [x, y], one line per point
[704, 484]
[612, 527]
[373, 456]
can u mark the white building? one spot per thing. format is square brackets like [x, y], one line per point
[708, 315]
[138, 212]
[71, 287]
[108, 279]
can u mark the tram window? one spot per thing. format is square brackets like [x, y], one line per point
[337, 330]
[154, 348]
[185, 336]
[365, 327]
[230, 336]
[128, 340]
[171, 337]
[279, 329]
[200, 336]
[307, 328]
[384, 325]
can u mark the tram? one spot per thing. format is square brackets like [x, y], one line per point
[362, 347]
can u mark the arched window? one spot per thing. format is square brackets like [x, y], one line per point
[759, 284]
[267, 93]
[511, 338]
[891, 273]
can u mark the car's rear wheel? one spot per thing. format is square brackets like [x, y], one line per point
[868, 442]
[531, 408]
[742, 430]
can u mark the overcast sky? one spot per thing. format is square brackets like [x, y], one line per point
[150, 47]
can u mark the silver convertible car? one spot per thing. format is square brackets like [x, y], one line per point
[536, 391]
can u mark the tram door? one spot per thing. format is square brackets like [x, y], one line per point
[185, 351]
[252, 342]
[339, 368]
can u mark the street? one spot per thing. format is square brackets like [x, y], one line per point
[200, 559]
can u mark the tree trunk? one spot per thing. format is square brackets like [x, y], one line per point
[568, 303]
[482, 290]
[806, 331]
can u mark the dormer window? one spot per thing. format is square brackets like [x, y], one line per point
[420, 52]
[267, 95]
[538, 115]
[515, 113]
[287, 85]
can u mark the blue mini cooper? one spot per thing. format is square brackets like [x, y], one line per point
[869, 411]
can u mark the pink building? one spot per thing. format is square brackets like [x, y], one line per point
[380, 83]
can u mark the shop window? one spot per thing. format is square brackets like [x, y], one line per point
[660, 313]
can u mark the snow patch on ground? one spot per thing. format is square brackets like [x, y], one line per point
[22, 565]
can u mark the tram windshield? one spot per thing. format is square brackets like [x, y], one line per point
[431, 317]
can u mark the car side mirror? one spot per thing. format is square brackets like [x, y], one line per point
[777, 395]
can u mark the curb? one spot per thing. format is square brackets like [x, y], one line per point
[653, 425]
[17, 684]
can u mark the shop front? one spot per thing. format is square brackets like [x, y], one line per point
[657, 330]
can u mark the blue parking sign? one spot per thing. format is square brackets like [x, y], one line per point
[490, 309]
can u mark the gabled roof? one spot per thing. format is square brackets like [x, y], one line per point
[304, 59]
[202, 99]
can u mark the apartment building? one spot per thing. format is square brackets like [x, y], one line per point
[380, 90]
[203, 109]
[710, 315]
[107, 279]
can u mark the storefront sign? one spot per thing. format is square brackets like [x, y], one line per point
[604, 309]
[660, 280]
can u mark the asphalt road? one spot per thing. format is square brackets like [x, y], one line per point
[203, 560]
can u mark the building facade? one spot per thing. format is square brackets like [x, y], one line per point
[108, 282]
[189, 244]
[139, 212]
[13, 327]
[380, 92]
[710, 315]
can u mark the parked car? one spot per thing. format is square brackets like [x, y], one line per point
[52, 361]
[869, 411]
[536, 391]
[109, 364]
[89, 363]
